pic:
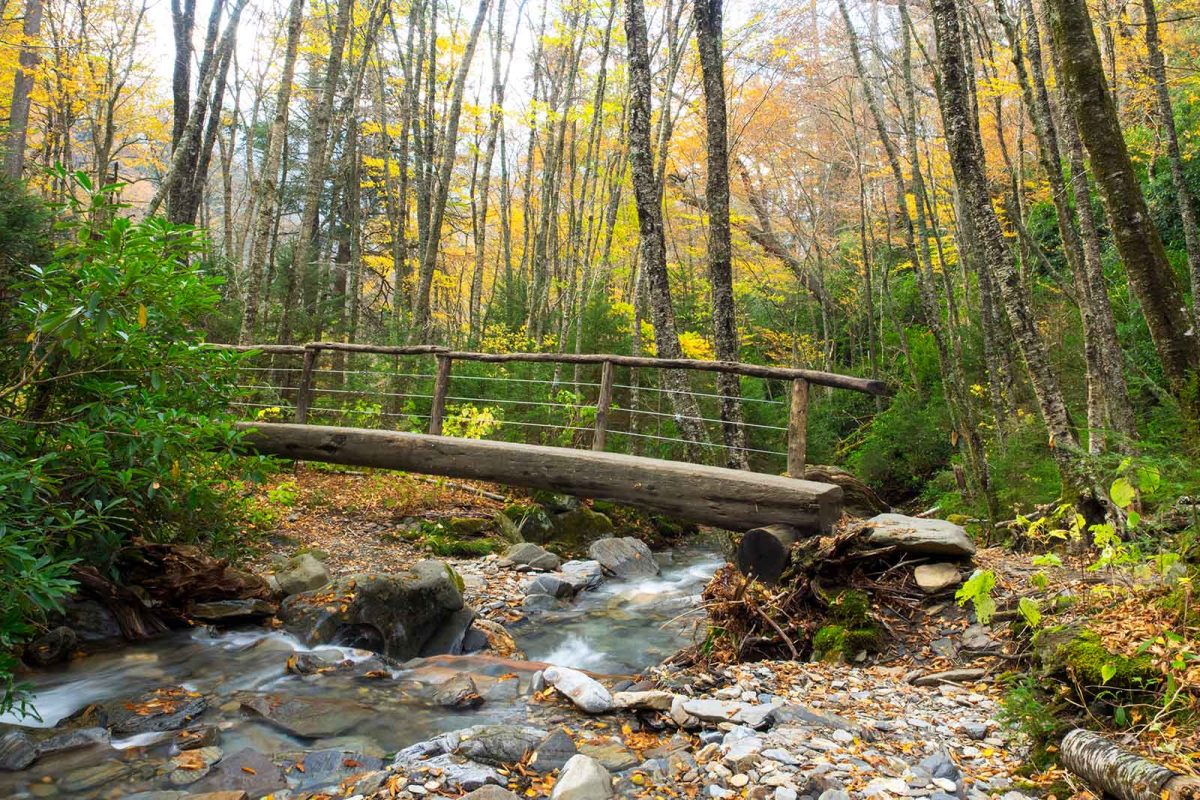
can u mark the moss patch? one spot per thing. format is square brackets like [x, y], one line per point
[832, 642]
[1079, 653]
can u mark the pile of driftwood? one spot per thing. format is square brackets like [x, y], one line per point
[796, 594]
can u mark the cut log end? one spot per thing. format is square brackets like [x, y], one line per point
[763, 552]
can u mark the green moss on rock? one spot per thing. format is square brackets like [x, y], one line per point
[851, 607]
[833, 642]
[1081, 654]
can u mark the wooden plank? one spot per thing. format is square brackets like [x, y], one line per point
[798, 429]
[603, 402]
[304, 393]
[382, 349]
[441, 383]
[723, 498]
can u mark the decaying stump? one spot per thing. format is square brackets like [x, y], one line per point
[1121, 774]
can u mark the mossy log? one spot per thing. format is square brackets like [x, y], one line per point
[1121, 774]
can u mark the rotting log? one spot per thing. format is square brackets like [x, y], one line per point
[725, 498]
[1121, 774]
[763, 552]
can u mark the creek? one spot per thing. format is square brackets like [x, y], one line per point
[364, 706]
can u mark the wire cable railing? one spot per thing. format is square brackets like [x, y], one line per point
[503, 395]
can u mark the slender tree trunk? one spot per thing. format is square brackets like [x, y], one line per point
[421, 311]
[18, 117]
[269, 186]
[720, 248]
[648, 196]
[1183, 195]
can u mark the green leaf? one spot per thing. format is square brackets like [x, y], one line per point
[1122, 492]
[1107, 672]
[1030, 611]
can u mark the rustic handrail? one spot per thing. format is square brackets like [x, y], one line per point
[818, 377]
[800, 379]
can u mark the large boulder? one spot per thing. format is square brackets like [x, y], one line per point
[585, 692]
[626, 557]
[302, 573]
[403, 615]
[916, 536]
[165, 709]
[307, 717]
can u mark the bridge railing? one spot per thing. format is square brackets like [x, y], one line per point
[587, 400]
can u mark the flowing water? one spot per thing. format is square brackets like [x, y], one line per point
[363, 706]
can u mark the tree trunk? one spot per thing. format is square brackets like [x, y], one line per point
[967, 163]
[18, 117]
[720, 248]
[1118, 773]
[1085, 88]
[269, 186]
[1183, 195]
[648, 195]
[441, 188]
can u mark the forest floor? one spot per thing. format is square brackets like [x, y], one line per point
[888, 722]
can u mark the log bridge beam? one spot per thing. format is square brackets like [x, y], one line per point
[724, 498]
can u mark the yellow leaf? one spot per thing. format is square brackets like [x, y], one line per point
[143, 317]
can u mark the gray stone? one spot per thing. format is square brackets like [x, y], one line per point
[166, 709]
[532, 555]
[456, 772]
[302, 573]
[975, 730]
[935, 578]
[940, 765]
[916, 536]
[401, 614]
[646, 701]
[93, 776]
[91, 621]
[551, 585]
[459, 692]
[539, 602]
[232, 610]
[305, 716]
[625, 557]
[490, 793]
[793, 713]
[709, 710]
[192, 765]
[335, 765]
[17, 751]
[582, 575]
[495, 744]
[585, 692]
[553, 752]
[583, 778]
[246, 770]
[451, 636]
[75, 740]
[886, 786]
[615, 756]
[52, 647]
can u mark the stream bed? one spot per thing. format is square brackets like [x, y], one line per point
[273, 702]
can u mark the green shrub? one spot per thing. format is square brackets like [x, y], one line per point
[113, 417]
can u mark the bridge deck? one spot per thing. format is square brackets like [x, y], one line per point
[724, 498]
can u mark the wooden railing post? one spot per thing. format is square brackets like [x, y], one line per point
[603, 402]
[798, 429]
[304, 393]
[441, 383]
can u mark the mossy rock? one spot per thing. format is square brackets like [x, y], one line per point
[506, 529]
[837, 642]
[1080, 654]
[649, 527]
[532, 521]
[465, 527]
[850, 607]
[578, 528]
[555, 502]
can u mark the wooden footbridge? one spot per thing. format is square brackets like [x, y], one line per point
[388, 389]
